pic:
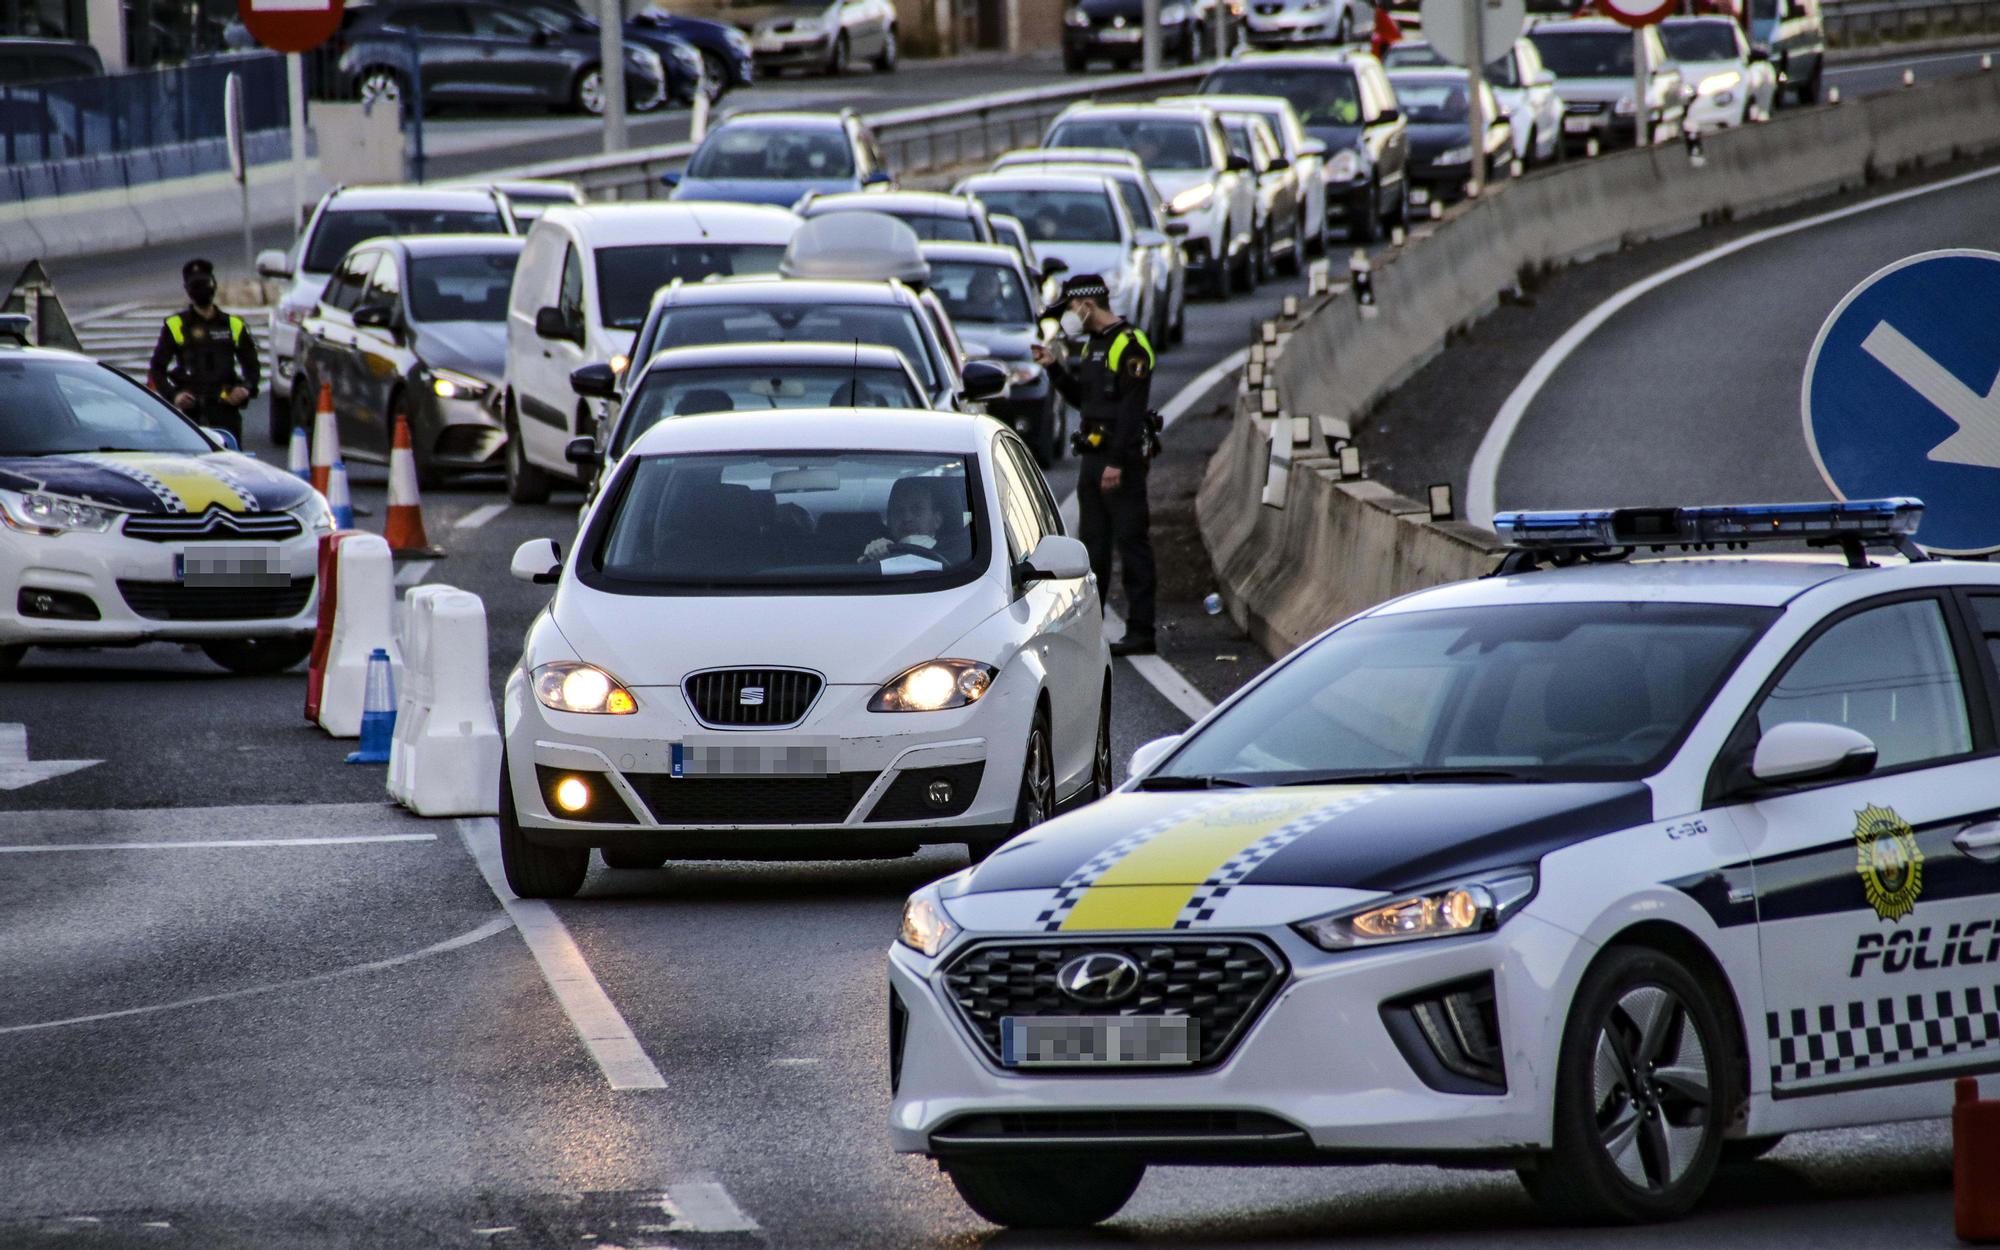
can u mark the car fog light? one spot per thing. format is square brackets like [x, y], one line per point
[939, 793]
[572, 794]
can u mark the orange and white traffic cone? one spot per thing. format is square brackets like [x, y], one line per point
[405, 528]
[326, 440]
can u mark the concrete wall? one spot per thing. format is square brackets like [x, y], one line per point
[1335, 548]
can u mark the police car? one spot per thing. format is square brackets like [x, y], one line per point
[122, 522]
[1603, 869]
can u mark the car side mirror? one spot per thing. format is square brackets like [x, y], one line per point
[222, 436]
[538, 560]
[550, 323]
[593, 381]
[670, 178]
[1313, 147]
[1277, 163]
[1386, 116]
[1545, 79]
[582, 452]
[1150, 754]
[1151, 238]
[271, 263]
[880, 178]
[1054, 265]
[1057, 558]
[983, 379]
[1801, 751]
[379, 316]
[1237, 163]
[1177, 229]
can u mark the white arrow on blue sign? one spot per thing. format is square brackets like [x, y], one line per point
[1902, 395]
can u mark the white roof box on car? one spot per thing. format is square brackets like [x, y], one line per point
[872, 246]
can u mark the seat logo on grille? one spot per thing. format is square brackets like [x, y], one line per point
[751, 696]
[1101, 977]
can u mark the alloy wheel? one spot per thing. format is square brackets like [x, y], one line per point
[1651, 1088]
[1038, 783]
[381, 87]
[714, 76]
[590, 93]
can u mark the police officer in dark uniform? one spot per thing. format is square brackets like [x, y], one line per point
[1111, 386]
[206, 359]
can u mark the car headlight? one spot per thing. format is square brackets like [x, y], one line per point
[1024, 373]
[926, 929]
[806, 26]
[1455, 156]
[1624, 106]
[1192, 200]
[1344, 165]
[451, 384]
[1173, 14]
[314, 513]
[50, 515]
[1472, 906]
[572, 686]
[933, 687]
[1076, 17]
[1716, 83]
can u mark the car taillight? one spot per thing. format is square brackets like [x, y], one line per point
[292, 314]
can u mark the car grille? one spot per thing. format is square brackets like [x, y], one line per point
[710, 801]
[171, 601]
[777, 697]
[1269, 10]
[1221, 983]
[214, 525]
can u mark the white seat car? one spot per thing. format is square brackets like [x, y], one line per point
[1525, 88]
[586, 278]
[1305, 154]
[1077, 223]
[1733, 83]
[1598, 872]
[804, 634]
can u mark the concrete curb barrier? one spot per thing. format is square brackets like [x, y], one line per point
[363, 620]
[445, 757]
[1336, 547]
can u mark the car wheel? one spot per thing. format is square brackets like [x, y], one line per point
[885, 60]
[1262, 265]
[714, 77]
[1344, 32]
[836, 61]
[1048, 1192]
[1177, 332]
[632, 861]
[380, 85]
[587, 93]
[258, 655]
[429, 476]
[1295, 254]
[1243, 269]
[1075, 62]
[533, 870]
[281, 417]
[1367, 216]
[1101, 775]
[10, 657]
[305, 409]
[1048, 433]
[1809, 89]
[1037, 801]
[1738, 1150]
[525, 482]
[1643, 1090]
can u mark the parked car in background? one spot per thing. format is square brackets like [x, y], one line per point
[1343, 100]
[996, 312]
[727, 62]
[1438, 104]
[1283, 23]
[1281, 228]
[1792, 35]
[343, 217]
[413, 329]
[1112, 30]
[777, 158]
[1305, 154]
[26, 61]
[928, 214]
[471, 52]
[683, 64]
[1734, 83]
[1077, 223]
[1592, 61]
[823, 36]
[1524, 87]
[586, 279]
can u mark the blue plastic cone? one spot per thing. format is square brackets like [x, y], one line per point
[378, 711]
[299, 457]
[339, 497]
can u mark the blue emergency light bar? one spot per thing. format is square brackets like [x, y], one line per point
[1849, 525]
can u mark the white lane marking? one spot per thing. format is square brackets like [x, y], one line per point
[1205, 381]
[1972, 54]
[15, 770]
[1482, 480]
[704, 1207]
[415, 571]
[1173, 686]
[499, 924]
[219, 844]
[479, 516]
[595, 1017]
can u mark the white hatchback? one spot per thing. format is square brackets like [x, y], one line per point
[805, 634]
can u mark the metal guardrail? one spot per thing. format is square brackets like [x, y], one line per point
[919, 140]
[1847, 20]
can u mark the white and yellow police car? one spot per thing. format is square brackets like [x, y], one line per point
[1602, 871]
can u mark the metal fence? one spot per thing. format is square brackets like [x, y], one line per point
[115, 114]
[1865, 21]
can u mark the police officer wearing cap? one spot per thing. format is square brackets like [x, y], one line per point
[206, 359]
[1111, 386]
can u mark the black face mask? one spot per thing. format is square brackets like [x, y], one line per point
[201, 290]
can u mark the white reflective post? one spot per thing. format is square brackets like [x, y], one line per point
[611, 62]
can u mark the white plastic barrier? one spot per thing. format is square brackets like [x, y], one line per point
[445, 758]
[363, 619]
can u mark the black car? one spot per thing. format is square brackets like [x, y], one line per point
[415, 327]
[1112, 30]
[678, 56]
[488, 53]
[25, 61]
[1437, 104]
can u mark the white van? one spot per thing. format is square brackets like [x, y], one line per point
[582, 290]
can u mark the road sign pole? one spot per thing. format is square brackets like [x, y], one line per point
[1475, 74]
[1149, 37]
[239, 157]
[611, 71]
[1219, 45]
[1642, 125]
[295, 86]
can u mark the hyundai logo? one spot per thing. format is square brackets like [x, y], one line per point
[751, 696]
[1097, 978]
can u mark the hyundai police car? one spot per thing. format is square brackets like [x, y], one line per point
[123, 522]
[1598, 871]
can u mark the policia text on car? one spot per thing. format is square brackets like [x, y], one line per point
[206, 359]
[1111, 385]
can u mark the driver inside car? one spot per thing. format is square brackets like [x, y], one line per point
[914, 520]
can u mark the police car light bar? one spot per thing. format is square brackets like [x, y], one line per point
[1850, 525]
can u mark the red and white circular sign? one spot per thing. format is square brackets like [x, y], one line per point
[290, 25]
[1636, 13]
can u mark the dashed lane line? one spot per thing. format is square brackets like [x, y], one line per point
[217, 844]
[479, 516]
[415, 571]
[596, 1018]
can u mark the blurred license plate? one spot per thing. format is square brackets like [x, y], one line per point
[1037, 1041]
[795, 757]
[231, 564]
[1420, 196]
[1576, 125]
[1121, 36]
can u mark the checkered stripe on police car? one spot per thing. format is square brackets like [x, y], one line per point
[1073, 887]
[170, 499]
[235, 482]
[1876, 1033]
[1201, 906]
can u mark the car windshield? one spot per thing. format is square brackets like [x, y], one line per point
[981, 293]
[1542, 692]
[787, 521]
[1700, 41]
[1322, 97]
[1431, 99]
[1585, 53]
[1058, 216]
[465, 286]
[886, 325]
[927, 226]
[627, 277]
[744, 388]
[773, 153]
[341, 229]
[1158, 143]
[53, 406]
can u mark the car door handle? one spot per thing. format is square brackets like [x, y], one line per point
[1980, 841]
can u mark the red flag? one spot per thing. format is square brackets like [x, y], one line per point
[1386, 31]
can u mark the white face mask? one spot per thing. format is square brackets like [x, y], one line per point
[1071, 323]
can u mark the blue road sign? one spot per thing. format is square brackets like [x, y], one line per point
[1902, 395]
